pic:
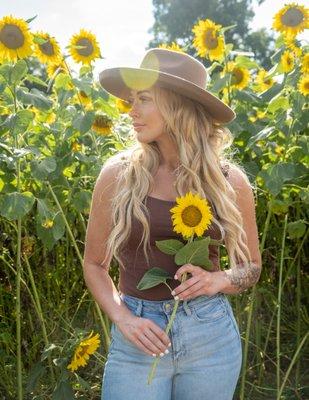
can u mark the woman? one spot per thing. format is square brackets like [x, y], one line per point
[179, 146]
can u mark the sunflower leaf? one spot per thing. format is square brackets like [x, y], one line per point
[196, 253]
[153, 277]
[171, 246]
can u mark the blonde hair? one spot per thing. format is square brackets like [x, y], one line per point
[202, 147]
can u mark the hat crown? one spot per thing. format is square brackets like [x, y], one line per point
[176, 63]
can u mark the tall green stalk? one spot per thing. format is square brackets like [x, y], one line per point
[98, 310]
[279, 306]
[250, 313]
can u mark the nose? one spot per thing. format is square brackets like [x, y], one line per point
[134, 109]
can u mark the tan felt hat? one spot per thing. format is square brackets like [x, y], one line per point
[168, 69]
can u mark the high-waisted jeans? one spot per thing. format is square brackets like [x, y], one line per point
[203, 362]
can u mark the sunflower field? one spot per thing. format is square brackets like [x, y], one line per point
[58, 127]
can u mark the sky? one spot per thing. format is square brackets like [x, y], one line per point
[121, 26]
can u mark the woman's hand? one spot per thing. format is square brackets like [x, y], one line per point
[201, 283]
[145, 334]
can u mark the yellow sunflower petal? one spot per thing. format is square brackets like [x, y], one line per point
[303, 85]
[291, 19]
[173, 46]
[84, 47]
[208, 40]
[191, 215]
[15, 39]
[47, 49]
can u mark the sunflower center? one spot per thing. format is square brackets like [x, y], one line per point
[307, 85]
[47, 48]
[237, 76]
[292, 17]
[191, 216]
[87, 47]
[83, 94]
[101, 122]
[211, 41]
[83, 350]
[12, 36]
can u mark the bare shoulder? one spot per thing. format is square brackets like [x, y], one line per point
[100, 222]
[238, 178]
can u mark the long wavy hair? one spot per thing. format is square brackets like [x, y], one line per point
[204, 150]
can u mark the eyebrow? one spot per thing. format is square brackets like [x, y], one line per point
[141, 91]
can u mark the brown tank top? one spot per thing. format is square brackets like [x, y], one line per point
[161, 228]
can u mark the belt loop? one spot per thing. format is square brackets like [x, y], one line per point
[139, 308]
[186, 307]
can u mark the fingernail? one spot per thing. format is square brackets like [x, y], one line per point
[169, 345]
[176, 298]
[161, 354]
[176, 277]
[166, 351]
[173, 292]
[154, 355]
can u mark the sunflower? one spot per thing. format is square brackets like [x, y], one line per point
[240, 77]
[292, 46]
[84, 47]
[173, 46]
[83, 351]
[123, 106]
[305, 64]
[191, 215]
[263, 81]
[47, 50]
[207, 40]
[257, 114]
[15, 39]
[52, 69]
[102, 124]
[303, 85]
[287, 61]
[291, 19]
[76, 147]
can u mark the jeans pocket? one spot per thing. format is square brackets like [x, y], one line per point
[209, 311]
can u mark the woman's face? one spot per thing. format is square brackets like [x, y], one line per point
[147, 121]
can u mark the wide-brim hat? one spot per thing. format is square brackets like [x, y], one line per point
[169, 69]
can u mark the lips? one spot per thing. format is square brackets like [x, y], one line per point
[138, 125]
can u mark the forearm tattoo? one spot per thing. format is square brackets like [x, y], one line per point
[244, 277]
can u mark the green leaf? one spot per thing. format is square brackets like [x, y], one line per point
[62, 81]
[153, 277]
[220, 83]
[170, 246]
[18, 71]
[242, 61]
[36, 79]
[83, 122]
[36, 372]
[16, 205]
[196, 253]
[42, 168]
[63, 391]
[278, 102]
[247, 97]
[20, 121]
[34, 97]
[296, 229]
[81, 200]
[58, 229]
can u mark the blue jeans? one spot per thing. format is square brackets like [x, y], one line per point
[203, 362]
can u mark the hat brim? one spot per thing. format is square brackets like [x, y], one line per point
[120, 81]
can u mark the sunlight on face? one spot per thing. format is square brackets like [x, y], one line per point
[147, 121]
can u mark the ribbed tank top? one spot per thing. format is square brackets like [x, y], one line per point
[161, 228]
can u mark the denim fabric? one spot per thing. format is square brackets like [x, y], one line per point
[203, 363]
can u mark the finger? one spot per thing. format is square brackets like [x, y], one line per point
[189, 268]
[191, 292]
[163, 337]
[140, 344]
[185, 285]
[153, 343]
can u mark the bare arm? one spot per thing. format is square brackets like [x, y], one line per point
[142, 332]
[240, 278]
[96, 273]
